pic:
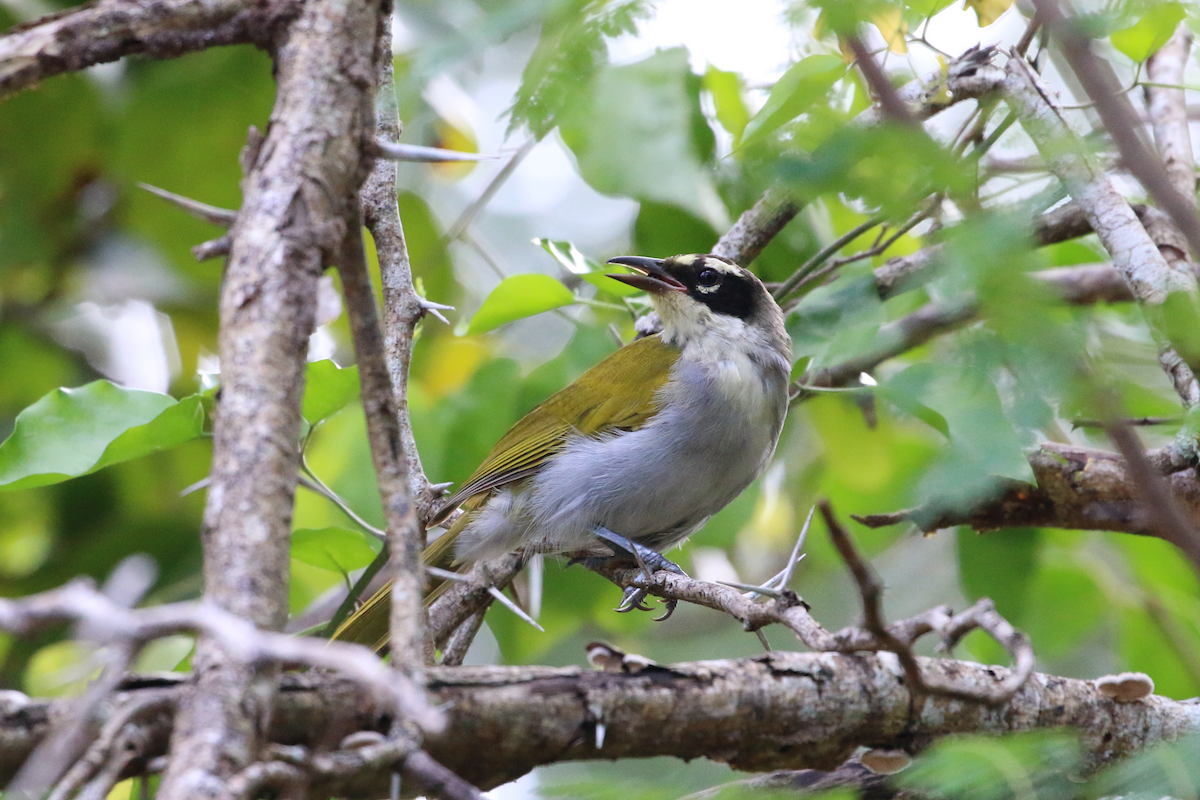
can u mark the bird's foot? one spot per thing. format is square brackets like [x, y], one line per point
[648, 560]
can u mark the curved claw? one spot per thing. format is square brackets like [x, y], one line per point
[669, 609]
[632, 599]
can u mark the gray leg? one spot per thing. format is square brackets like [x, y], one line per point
[648, 560]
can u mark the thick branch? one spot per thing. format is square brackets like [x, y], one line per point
[292, 217]
[777, 711]
[1076, 487]
[81, 37]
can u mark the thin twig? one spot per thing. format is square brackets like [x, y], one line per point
[985, 617]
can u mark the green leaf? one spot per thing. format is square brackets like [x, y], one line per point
[726, 90]
[327, 389]
[1030, 766]
[518, 297]
[72, 432]
[804, 83]
[591, 271]
[637, 135]
[1168, 769]
[1152, 31]
[334, 549]
[569, 54]
[978, 556]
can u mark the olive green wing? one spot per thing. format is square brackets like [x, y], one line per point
[616, 394]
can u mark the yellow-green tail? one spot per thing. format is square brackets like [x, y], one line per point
[369, 623]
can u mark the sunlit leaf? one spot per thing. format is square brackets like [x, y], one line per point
[798, 88]
[927, 8]
[334, 549]
[1143, 39]
[518, 297]
[327, 389]
[988, 11]
[71, 432]
[893, 28]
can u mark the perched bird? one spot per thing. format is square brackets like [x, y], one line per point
[638, 453]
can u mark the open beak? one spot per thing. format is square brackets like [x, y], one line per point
[652, 278]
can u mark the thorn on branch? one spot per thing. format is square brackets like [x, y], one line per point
[213, 248]
[395, 151]
[222, 217]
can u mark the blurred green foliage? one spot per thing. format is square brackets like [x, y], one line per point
[693, 145]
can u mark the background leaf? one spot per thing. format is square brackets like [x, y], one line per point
[1143, 39]
[327, 389]
[335, 549]
[71, 432]
[804, 82]
[518, 297]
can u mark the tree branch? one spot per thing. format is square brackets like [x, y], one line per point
[403, 308]
[1077, 488]
[1168, 112]
[1151, 279]
[405, 536]
[292, 218]
[777, 711]
[97, 33]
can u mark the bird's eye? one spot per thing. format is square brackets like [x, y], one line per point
[708, 277]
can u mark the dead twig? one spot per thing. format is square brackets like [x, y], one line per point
[982, 616]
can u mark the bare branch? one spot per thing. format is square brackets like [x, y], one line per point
[890, 104]
[781, 710]
[1164, 513]
[466, 598]
[396, 151]
[405, 536]
[1168, 112]
[1098, 80]
[403, 308]
[108, 623]
[291, 220]
[221, 217]
[985, 617]
[1076, 488]
[83, 36]
[755, 228]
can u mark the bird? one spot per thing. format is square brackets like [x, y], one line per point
[639, 452]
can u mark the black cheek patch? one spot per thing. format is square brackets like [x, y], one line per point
[734, 298]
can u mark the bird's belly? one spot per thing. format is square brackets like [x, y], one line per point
[655, 486]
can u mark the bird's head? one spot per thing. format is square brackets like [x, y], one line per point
[701, 296]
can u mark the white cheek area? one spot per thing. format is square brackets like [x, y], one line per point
[722, 344]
